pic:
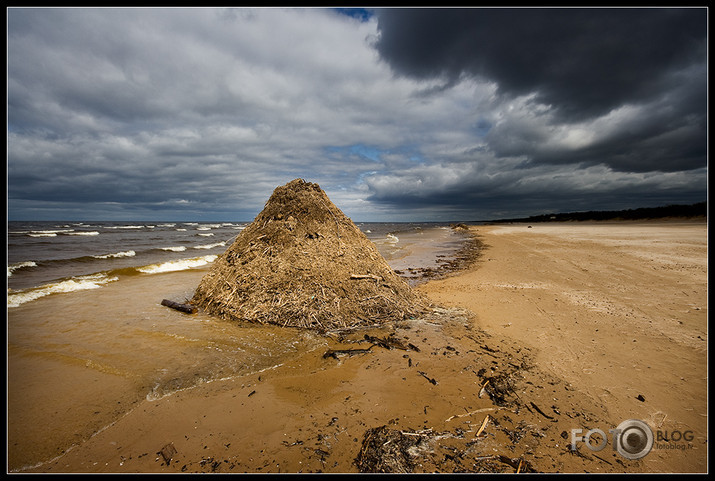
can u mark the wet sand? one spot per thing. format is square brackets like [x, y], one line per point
[555, 327]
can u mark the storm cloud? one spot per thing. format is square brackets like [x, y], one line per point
[623, 87]
[399, 114]
[583, 62]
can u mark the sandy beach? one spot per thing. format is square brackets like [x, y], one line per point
[554, 328]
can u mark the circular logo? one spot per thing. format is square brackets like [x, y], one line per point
[635, 439]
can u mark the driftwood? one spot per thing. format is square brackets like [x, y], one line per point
[540, 411]
[389, 343]
[334, 353]
[187, 308]
[483, 389]
[484, 425]
[424, 375]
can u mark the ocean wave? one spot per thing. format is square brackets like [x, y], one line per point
[206, 235]
[174, 249]
[58, 231]
[392, 238]
[210, 246]
[45, 234]
[181, 230]
[92, 281]
[124, 227]
[117, 254]
[19, 265]
[166, 225]
[90, 233]
[203, 228]
[177, 265]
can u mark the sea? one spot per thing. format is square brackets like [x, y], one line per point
[46, 258]
[88, 339]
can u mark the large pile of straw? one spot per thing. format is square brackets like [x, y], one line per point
[303, 263]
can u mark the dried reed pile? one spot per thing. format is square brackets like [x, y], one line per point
[303, 263]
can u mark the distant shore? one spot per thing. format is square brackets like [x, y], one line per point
[696, 212]
[552, 328]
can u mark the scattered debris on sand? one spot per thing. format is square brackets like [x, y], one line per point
[386, 450]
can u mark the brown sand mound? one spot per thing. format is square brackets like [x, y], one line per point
[303, 263]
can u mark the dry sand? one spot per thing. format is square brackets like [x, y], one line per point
[570, 323]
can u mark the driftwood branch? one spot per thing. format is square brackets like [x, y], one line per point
[334, 353]
[484, 425]
[540, 411]
[424, 375]
[187, 308]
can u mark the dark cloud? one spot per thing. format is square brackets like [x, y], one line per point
[582, 61]
[624, 87]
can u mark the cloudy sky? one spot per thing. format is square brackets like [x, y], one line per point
[399, 114]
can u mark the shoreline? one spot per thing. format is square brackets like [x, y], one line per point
[447, 265]
[320, 414]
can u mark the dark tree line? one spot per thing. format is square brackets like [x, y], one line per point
[679, 211]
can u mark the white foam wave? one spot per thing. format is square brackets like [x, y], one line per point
[19, 265]
[166, 225]
[117, 254]
[210, 246]
[203, 228]
[392, 238]
[47, 234]
[93, 281]
[174, 249]
[177, 265]
[181, 230]
[125, 227]
[91, 233]
[60, 231]
[206, 235]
